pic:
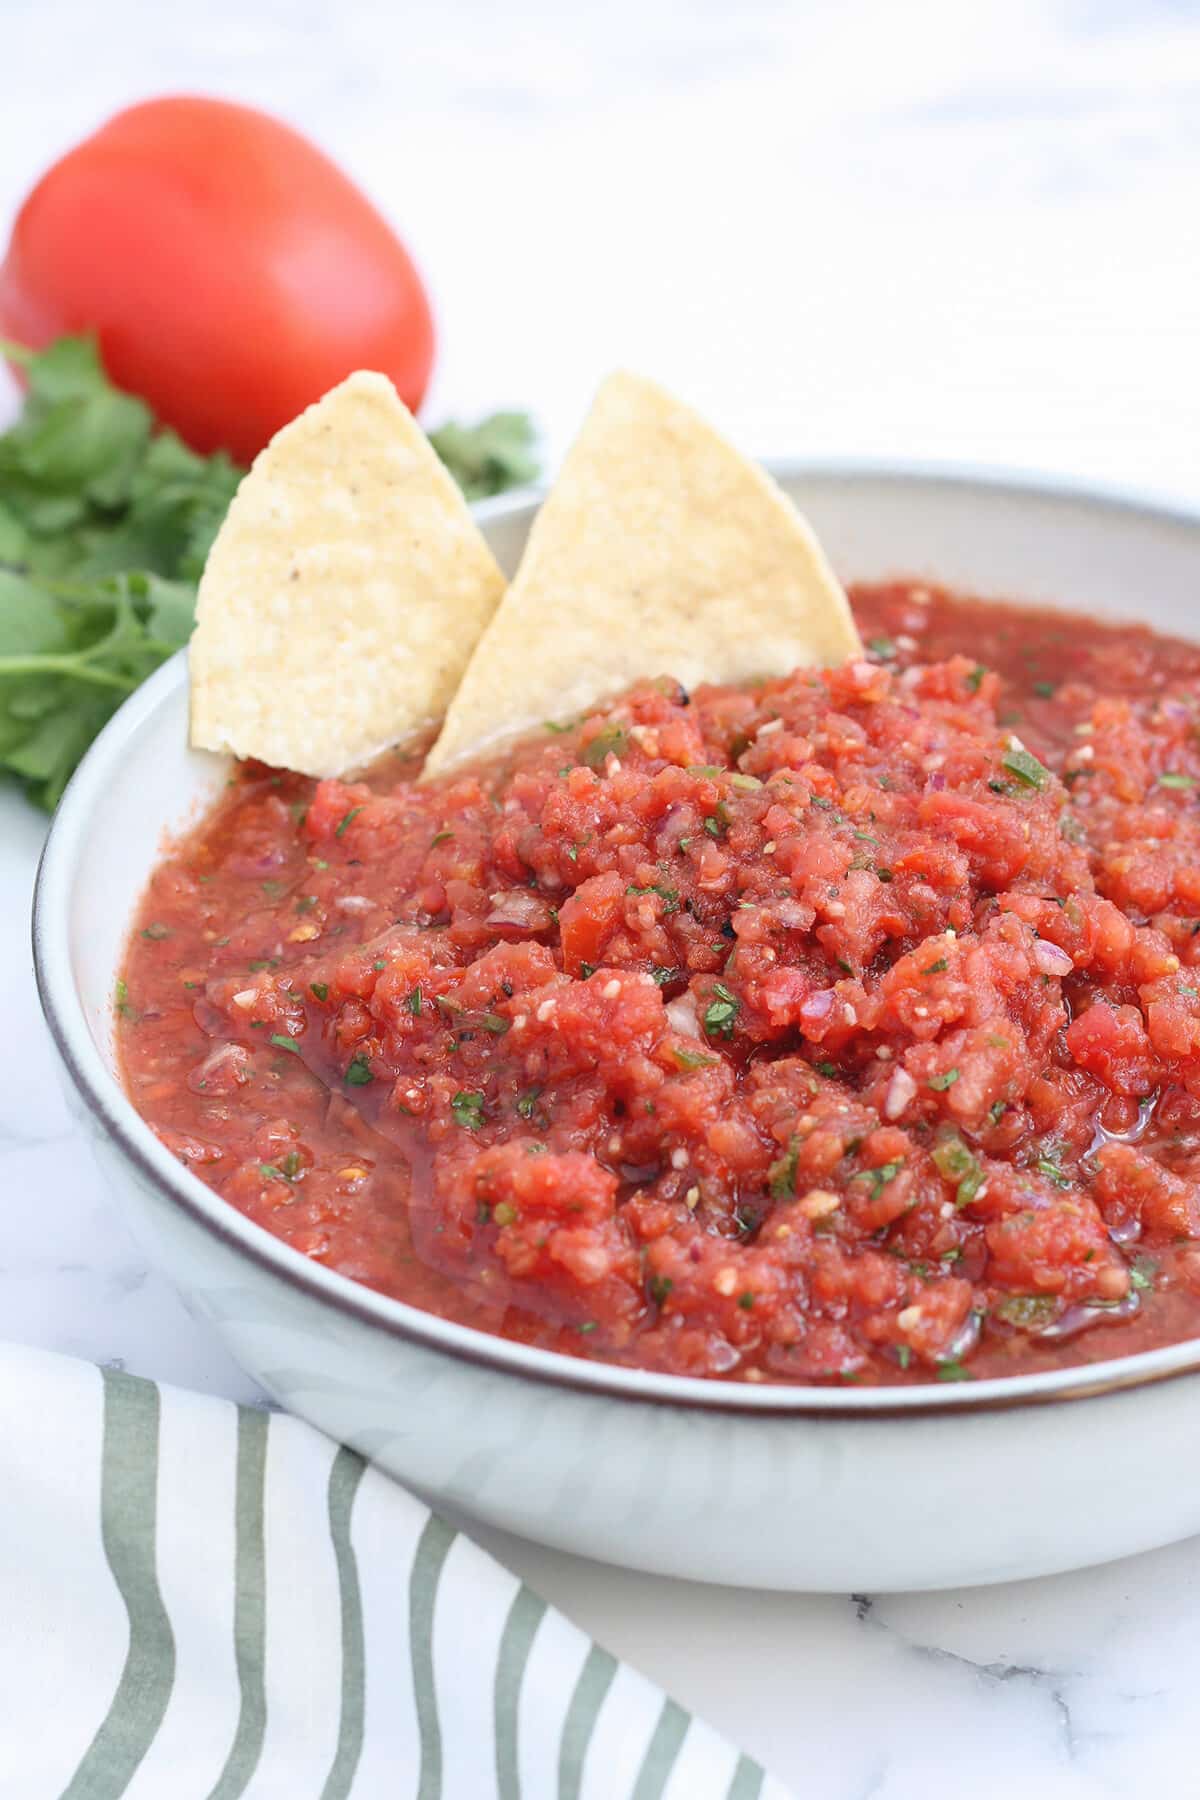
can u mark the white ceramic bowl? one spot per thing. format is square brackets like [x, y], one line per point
[782, 1487]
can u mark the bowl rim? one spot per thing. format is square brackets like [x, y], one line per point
[178, 1187]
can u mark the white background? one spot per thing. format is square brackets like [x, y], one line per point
[963, 230]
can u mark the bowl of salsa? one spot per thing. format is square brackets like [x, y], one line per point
[747, 1099]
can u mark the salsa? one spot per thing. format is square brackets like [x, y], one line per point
[845, 1028]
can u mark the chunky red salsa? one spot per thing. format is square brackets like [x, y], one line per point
[845, 1028]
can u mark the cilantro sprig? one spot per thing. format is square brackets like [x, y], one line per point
[104, 527]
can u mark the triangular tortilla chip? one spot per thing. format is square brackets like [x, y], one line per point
[344, 594]
[659, 551]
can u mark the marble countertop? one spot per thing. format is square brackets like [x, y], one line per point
[935, 231]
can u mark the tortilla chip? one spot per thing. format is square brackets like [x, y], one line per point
[659, 551]
[344, 594]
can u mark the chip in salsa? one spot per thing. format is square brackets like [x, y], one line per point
[660, 546]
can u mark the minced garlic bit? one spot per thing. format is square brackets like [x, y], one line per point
[818, 1203]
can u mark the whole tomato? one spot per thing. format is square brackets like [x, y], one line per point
[230, 272]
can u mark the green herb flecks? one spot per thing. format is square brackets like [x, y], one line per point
[1025, 768]
[287, 1169]
[668, 895]
[721, 1013]
[468, 1110]
[1048, 1166]
[781, 1176]
[953, 1370]
[955, 1163]
[610, 740]
[879, 1178]
[281, 1041]
[358, 1073]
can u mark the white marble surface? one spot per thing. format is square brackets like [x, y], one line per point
[936, 229]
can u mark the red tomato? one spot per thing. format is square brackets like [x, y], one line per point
[231, 273]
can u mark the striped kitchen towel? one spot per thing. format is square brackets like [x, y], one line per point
[200, 1601]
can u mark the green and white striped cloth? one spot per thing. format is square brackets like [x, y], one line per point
[200, 1601]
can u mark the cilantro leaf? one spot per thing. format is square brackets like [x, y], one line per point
[467, 1108]
[488, 458]
[1026, 767]
[957, 1164]
[104, 527]
[721, 1013]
